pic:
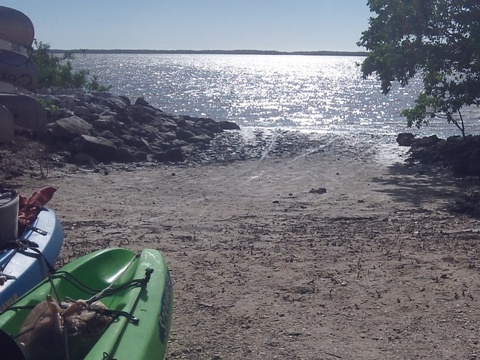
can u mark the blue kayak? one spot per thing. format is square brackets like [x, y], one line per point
[28, 260]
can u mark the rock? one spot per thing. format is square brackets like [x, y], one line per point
[474, 162]
[140, 156]
[133, 141]
[461, 155]
[228, 125]
[97, 147]
[141, 101]
[105, 122]
[318, 191]
[125, 155]
[81, 111]
[202, 138]
[405, 139]
[57, 114]
[69, 128]
[168, 136]
[84, 159]
[115, 103]
[183, 134]
[170, 155]
[125, 99]
[102, 127]
[68, 102]
[97, 108]
[175, 143]
[425, 141]
[107, 134]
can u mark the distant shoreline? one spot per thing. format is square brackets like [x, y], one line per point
[214, 52]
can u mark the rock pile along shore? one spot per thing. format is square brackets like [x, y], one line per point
[460, 155]
[87, 128]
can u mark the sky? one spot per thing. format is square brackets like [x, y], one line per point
[281, 25]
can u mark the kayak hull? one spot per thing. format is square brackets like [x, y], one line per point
[151, 303]
[16, 27]
[26, 268]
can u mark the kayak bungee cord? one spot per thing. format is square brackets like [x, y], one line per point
[16, 246]
[87, 289]
[20, 246]
[131, 284]
[9, 245]
[75, 282]
[99, 293]
[106, 356]
[143, 283]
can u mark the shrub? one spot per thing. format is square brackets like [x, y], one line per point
[57, 71]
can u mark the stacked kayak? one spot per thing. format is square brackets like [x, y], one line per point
[127, 295]
[27, 260]
[17, 34]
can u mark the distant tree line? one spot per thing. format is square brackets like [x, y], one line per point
[215, 52]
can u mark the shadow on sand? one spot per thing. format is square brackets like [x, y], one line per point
[421, 186]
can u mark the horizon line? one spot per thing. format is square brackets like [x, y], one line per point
[184, 51]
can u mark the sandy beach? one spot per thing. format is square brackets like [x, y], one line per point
[334, 253]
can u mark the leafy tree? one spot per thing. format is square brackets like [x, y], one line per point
[438, 40]
[57, 71]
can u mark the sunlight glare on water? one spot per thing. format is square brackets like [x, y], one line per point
[315, 93]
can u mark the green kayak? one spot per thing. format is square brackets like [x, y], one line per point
[133, 320]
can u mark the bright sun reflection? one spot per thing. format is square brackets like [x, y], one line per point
[303, 92]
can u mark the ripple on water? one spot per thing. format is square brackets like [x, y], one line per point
[318, 93]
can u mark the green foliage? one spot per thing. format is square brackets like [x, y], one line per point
[57, 71]
[48, 105]
[439, 40]
[94, 85]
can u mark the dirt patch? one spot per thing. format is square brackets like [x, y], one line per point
[374, 267]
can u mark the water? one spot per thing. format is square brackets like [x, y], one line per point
[323, 94]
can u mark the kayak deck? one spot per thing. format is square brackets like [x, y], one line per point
[25, 268]
[150, 303]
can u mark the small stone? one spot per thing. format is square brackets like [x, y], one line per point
[318, 191]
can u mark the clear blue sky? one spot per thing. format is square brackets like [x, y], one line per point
[283, 25]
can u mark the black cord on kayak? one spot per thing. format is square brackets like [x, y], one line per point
[104, 292]
[14, 245]
[5, 277]
[148, 274]
[106, 356]
[76, 282]
[54, 288]
[20, 245]
[116, 314]
[14, 308]
[9, 245]
[98, 294]
[50, 267]
[131, 284]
